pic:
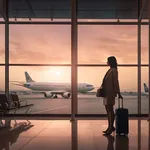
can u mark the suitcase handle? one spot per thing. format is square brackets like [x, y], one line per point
[119, 102]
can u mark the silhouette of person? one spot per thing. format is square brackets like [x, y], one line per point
[111, 86]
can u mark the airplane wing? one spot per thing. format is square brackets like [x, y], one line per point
[21, 82]
[18, 83]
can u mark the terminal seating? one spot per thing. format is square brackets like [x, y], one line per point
[5, 106]
[21, 103]
[14, 105]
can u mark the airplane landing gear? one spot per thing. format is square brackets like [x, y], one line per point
[55, 96]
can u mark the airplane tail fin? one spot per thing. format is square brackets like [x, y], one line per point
[28, 78]
[146, 88]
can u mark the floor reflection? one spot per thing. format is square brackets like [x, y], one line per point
[111, 139]
[76, 135]
[10, 133]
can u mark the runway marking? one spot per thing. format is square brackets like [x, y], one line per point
[49, 109]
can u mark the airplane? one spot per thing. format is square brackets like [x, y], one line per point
[52, 89]
[145, 93]
[146, 89]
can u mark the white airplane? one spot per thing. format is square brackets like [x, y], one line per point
[130, 93]
[52, 89]
[146, 89]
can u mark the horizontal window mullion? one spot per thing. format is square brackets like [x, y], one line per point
[79, 65]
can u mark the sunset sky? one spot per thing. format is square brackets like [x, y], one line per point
[52, 44]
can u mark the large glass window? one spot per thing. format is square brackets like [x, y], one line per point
[49, 42]
[1, 19]
[144, 44]
[89, 77]
[145, 90]
[98, 42]
[2, 79]
[2, 43]
[48, 88]
[38, 44]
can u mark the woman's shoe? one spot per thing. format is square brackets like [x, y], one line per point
[110, 131]
[106, 130]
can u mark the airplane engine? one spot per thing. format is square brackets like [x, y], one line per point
[48, 95]
[66, 95]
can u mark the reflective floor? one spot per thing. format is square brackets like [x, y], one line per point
[66, 135]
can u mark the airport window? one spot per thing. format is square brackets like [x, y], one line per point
[96, 43]
[2, 79]
[40, 50]
[1, 19]
[48, 88]
[88, 103]
[2, 43]
[145, 90]
[144, 44]
[28, 46]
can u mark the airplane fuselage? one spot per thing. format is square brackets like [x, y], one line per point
[54, 86]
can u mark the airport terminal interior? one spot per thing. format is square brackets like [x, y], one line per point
[54, 56]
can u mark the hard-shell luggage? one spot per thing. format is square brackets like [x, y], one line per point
[122, 122]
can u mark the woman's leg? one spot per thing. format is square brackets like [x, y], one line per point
[111, 115]
[106, 107]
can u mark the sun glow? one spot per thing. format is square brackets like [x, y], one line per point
[61, 74]
[58, 73]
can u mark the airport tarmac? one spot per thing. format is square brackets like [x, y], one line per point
[87, 104]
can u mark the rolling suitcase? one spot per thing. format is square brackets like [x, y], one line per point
[122, 122]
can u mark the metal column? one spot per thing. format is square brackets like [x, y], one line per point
[149, 136]
[149, 54]
[139, 60]
[73, 58]
[7, 51]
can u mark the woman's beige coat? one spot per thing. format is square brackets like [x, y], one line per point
[111, 85]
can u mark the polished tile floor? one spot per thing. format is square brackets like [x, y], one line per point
[66, 135]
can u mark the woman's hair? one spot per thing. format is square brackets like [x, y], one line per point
[112, 62]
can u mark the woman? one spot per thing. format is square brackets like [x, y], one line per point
[111, 88]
